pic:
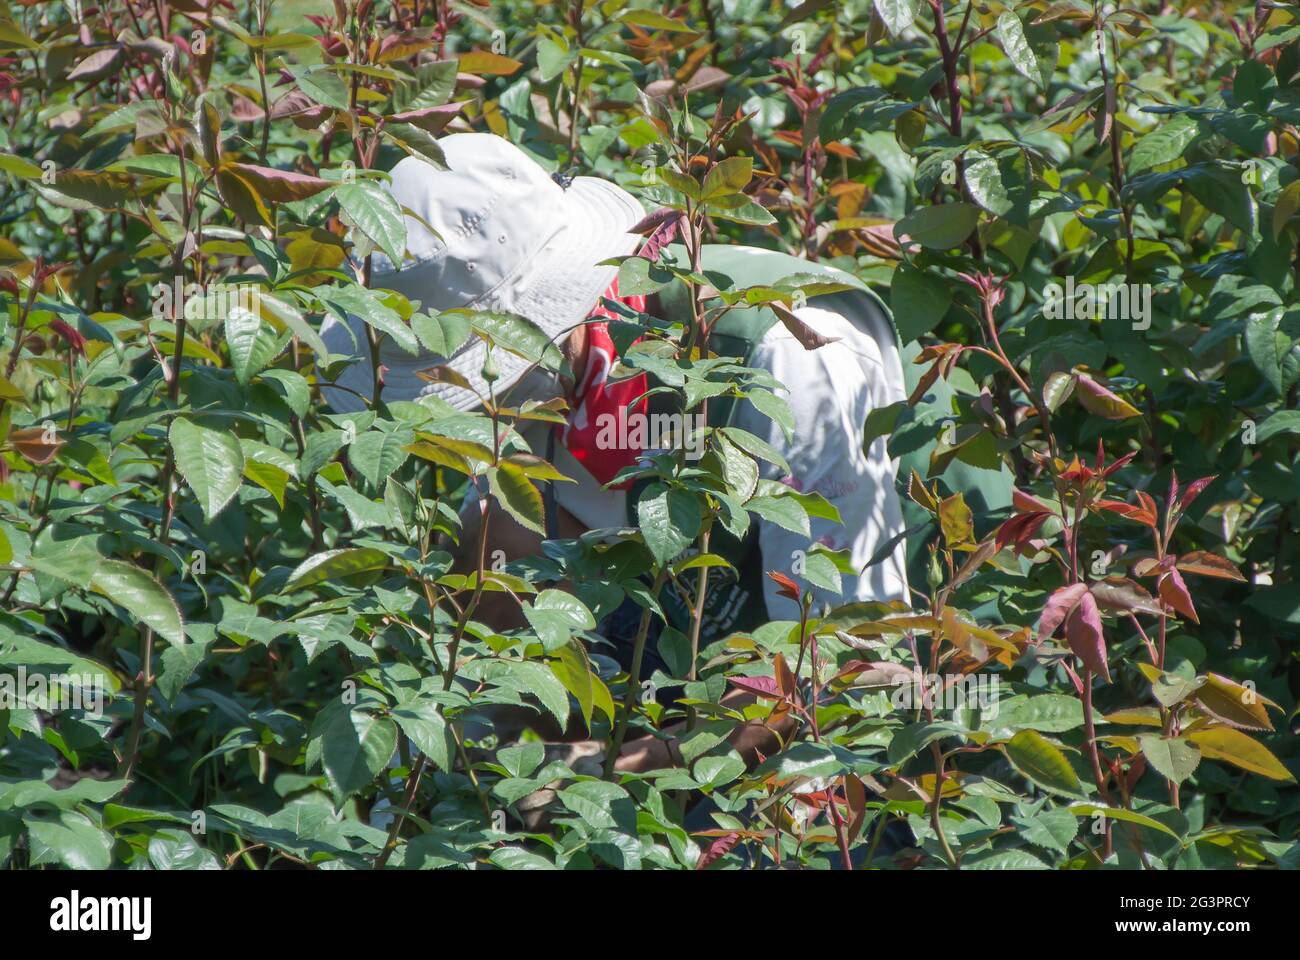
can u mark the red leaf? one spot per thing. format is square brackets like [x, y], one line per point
[1119, 463]
[1084, 633]
[1207, 564]
[1150, 566]
[808, 338]
[279, 186]
[1193, 491]
[1027, 503]
[1122, 595]
[34, 445]
[1076, 472]
[1074, 678]
[1148, 503]
[717, 848]
[1060, 603]
[1174, 592]
[1100, 401]
[759, 686]
[1135, 771]
[430, 119]
[71, 337]
[786, 681]
[659, 229]
[1020, 528]
[788, 587]
[1128, 510]
[98, 65]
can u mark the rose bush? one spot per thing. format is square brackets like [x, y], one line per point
[1084, 218]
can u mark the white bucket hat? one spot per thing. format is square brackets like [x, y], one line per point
[512, 240]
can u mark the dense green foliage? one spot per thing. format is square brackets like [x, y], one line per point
[266, 587]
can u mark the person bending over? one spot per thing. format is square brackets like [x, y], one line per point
[495, 232]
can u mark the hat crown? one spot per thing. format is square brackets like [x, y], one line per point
[492, 209]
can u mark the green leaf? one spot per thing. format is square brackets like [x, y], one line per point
[1284, 421]
[785, 511]
[1119, 813]
[424, 724]
[896, 15]
[371, 308]
[417, 142]
[375, 212]
[179, 850]
[1057, 389]
[553, 58]
[140, 594]
[514, 333]
[918, 300]
[542, 683]
[1012, 34]
[1042, 762]
[775, 408]
[291, 317]
[1051, 829]
[803, 759]
[653, 20]
[669, 520]
[1220, 188]
[1046, 712]
[730, 176]
[555, 616]
[517, 858]
[251, 345]
[916, 736]
[871, 108]
[335, 565]
[1174, 759]
[432, 86]
[1005, 860]
[377, 453]
[69, 839]
[1271, 348]
[1281, 601]
[211, 462]
[573, 669]
[756, 447]
[738, 208]
[176, 666]
[517, 494]
[1241, 750]
[324, 86]
[442, 334]
[355, 747]
[939, 227]
[1164, 144]
[1002, 185]
[33, 793]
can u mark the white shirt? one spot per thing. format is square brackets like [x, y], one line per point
[830, 391]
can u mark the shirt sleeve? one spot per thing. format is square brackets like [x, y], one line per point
[831, 391]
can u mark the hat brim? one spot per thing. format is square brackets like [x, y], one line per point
[556, 290]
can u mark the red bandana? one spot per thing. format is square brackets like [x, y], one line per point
[595, 396]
